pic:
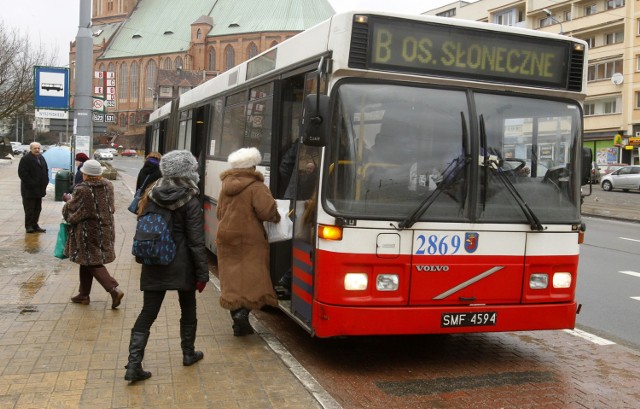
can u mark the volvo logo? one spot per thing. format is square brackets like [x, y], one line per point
[428, 268]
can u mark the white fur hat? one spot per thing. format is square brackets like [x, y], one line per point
[245, 158]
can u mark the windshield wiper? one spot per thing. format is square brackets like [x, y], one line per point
[491, 162]
[448, 177]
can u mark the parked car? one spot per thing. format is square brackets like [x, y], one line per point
[129, 152]
[102, 154]
[625, 178]
[610, 167]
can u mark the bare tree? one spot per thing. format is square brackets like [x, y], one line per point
[17, 60]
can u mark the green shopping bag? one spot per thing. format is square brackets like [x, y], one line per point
[58, 251]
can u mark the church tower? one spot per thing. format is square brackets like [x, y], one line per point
[111, 11]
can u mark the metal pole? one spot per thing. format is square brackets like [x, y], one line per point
[84, 71]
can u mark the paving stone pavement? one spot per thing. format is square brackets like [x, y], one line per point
[55, 354]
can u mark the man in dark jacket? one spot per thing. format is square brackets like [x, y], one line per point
[34, 178]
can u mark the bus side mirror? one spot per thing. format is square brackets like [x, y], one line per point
[315, 120]
[585, 169]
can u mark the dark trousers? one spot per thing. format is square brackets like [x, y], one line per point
[152, 301]
[100, 273]
[32, 208]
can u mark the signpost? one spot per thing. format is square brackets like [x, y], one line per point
[51, 88]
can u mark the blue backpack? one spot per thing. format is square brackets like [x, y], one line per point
[153, 242]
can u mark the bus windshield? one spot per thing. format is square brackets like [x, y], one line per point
[452, 155]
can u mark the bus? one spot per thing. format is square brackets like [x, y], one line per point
[446, 170]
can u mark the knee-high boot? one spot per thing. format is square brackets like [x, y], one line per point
[137, 344]
[241, 325]
[188, 338]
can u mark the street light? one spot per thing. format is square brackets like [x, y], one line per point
[550, 15]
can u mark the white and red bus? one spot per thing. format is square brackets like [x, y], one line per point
[448, 169]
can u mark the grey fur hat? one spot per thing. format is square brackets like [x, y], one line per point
[91, 168]
[180, 163]
[245, 158]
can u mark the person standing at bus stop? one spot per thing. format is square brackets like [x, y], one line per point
[150, 171]
[34, 178]
[245, 202]
[177, 192]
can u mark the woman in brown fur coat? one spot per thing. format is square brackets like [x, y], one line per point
[89, 213]
[245, 202]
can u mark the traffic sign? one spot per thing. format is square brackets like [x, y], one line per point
[110, 103]
[110, 83]
[51, 87]
[98, 117]
[98, 104]
[109, 117]
[111, 97]
[98, 90]
[111, 90]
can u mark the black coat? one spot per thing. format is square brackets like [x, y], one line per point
[151, 170]
[190, 264]
[34, 177]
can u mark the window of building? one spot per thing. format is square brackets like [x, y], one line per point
[132, 119]
[545, 22]
[188, 62]
[167, 64]
[123, 82]
[613, 4]
[591, 41]
[590, 9]
[604, 70]
[638, 62]
[229, 57]
[637, 99]
[199, 34]
[179, 63]
[273, 44]
[150, 75]
[589, 109]
[448, 13]
[252, 51]
[638, 26]
[134, 73]
[605, 106]
[614, 38]
[182, 90]
[566, 15]
[166, 91]
[505, 18]
[212, 59]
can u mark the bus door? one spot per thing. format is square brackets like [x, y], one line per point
[304, 211]
[460, 268]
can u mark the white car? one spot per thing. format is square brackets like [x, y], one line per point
[625, 178]
[102, 154]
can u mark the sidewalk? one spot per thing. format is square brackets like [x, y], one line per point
[55, 354]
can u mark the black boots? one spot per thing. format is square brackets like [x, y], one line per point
[241, 325]
[188, 337]
[137, 344]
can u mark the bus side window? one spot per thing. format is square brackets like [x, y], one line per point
[216, 128]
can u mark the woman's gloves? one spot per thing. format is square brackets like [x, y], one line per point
[200, 285]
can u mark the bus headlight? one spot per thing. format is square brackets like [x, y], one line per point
[538, 281]
[387, 282]
[356, 281]
[562, 280]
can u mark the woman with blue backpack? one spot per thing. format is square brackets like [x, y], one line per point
[175, 198]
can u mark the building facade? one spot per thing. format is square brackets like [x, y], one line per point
[611, 28]
[151, 51]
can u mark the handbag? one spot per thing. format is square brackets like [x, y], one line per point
[63, 234]
[133, 207]
[282, 231]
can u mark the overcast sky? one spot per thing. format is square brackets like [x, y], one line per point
[54, 23]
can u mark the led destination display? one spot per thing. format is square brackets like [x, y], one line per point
[428, 48]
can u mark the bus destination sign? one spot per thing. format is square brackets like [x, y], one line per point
[434, 49]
